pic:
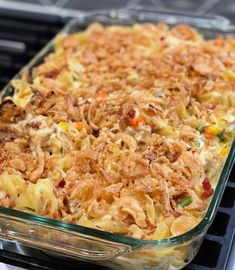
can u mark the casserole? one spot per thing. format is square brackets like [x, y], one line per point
[173, 252]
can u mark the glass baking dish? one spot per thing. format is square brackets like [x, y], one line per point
[113, 250]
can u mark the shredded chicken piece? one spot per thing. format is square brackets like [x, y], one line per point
[36, 146]
[131, 206]
[41, 163]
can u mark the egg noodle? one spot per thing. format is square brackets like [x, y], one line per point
[122, 129]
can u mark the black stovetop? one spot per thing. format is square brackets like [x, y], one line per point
[21, 36]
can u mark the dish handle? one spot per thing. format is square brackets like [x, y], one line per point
[61, 241]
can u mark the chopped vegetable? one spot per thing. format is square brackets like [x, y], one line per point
[196, 143]
[135, 121]
[224, 151]
[211, 131]
[208, 190]
[64, 126]
[206, 184]
[201, 129]
[207, 193]
[185, 202]
[220, 135]
[209, 135]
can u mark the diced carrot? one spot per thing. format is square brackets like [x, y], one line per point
[79, 126]
[211, 131]
[209, 135]
[135, 121]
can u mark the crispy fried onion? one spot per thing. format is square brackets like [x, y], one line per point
[108, 134]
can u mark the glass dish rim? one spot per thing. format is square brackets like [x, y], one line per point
[203, 225]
